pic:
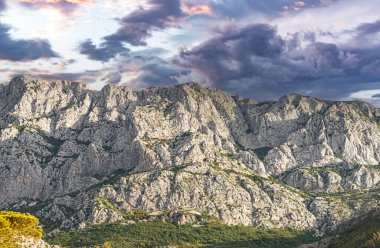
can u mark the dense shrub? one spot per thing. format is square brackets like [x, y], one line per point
[15, 225]
[155, 234]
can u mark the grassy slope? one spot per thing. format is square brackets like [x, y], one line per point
[151, 234]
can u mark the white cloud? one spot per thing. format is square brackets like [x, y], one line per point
[336, 18]
[364, 94]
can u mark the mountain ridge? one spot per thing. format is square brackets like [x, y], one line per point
[77, 157]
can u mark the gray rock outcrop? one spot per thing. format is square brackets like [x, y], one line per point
[184, 154]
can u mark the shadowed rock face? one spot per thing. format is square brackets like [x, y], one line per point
[77, 157]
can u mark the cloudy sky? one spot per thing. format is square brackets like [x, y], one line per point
[255, 48]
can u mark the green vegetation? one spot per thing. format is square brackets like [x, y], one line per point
[150, 142]
[21, 128]
[66, 90]
[15, 225]
[109, 205]
[314, 171]
[180, 168]
[152, 234]
[229, 156]
[366, 234]
[372, 167]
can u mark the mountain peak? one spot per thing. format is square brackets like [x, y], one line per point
[20, 82]
[290, 97]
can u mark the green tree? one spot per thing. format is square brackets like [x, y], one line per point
[14, 226]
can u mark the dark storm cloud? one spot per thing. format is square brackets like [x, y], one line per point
[323, 56]
[160, 72]
[230, 56]
[104, 52]
[149, 70]
[255, 61]
[260, 40]
[23, 50]
[368, 28]
[238, 54]
[135, 28]
[373, 66]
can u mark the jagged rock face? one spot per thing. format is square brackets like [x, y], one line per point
[184, 150]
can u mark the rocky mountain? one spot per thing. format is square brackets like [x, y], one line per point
[184, 154]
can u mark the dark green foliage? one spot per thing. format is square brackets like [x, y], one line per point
[366, 234]
[21, 128]
[175, 170]
[66, 90]
[138, 214]
[150, 143]
[152, 234]
[372, 167]
[262, 152]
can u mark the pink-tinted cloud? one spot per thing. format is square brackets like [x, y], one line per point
[202, 9]
[65, 6]
[295, 7]
[299, 4]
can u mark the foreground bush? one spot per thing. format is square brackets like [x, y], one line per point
[14, 226]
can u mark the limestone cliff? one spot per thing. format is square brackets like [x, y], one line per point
[184, 154]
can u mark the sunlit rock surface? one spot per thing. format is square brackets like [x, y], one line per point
[77, 157]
